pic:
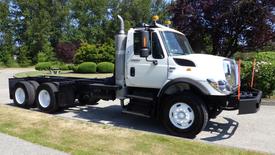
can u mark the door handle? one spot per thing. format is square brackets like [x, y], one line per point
[135, 60]
[171, 69]
[132, 71]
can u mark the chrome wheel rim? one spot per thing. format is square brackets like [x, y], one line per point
[44, 98]
[20, 96]
[181, 115]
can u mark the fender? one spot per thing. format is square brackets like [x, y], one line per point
[188, 81]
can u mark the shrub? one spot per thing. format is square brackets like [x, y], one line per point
[264, 72]
[63, 66]
[108, 52]
[42, 57]
[105, 67]
[95, 53]
[87, 53]
[71, 66]
[46, 54]
[2, 64]
[66, 50]
[10, 62]
[43, 66]
[51, 65]
[86, 67]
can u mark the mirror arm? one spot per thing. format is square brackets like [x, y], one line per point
[155, 62]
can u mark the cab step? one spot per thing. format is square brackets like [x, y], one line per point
[140, 97]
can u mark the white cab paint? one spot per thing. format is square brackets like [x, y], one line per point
[147, 75]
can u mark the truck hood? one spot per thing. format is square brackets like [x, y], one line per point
[201, 58]
[208, 66]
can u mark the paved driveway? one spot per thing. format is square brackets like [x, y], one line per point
[253, 131]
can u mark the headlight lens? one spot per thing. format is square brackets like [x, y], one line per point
[231, 71]
[221, 86]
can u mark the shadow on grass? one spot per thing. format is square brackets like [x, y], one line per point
[113, 116]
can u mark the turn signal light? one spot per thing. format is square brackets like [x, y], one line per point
[155, 18]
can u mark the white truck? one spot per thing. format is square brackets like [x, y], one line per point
[157, 71]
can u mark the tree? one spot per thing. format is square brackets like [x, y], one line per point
[66, 50]
[37, 23]
[160, 8]
[6, 40]
[87, 20]
[228, 26]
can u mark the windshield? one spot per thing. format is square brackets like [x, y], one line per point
[176, 44]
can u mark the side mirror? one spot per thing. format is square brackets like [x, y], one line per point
[145, 44]
[144, 52]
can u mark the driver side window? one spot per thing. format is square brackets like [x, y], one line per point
[137, 42]
[156, 49]
[157, 52]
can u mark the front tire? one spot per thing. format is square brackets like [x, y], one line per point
[184, 115]
[46, 98]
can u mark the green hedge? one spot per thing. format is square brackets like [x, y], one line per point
[105, 67]
[72, 67]
[264, 72]
[51, 65]
[43, 66]
[86, 67]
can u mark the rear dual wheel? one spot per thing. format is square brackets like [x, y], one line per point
[46, 98]
[24, 94]
[28, 94]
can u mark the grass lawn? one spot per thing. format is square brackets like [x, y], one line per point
[62, 74]
[80, 138]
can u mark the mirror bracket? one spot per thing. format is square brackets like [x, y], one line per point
[155, 62]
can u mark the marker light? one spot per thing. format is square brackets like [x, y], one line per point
[167, 22]
[155, 18]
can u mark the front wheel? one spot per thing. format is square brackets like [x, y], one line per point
[184, 115]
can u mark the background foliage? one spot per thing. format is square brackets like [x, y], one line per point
[32, 29]
[105, 67]
[77, 31]
[264, 72]
[225, 27]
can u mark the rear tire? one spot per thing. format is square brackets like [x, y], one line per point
[35, 85]
[184, 115]
[23, 94]
[46, 98]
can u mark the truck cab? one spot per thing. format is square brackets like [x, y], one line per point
[169, 56]
[189, 88]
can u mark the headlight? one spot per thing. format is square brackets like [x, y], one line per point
[221, 86]
[231, 73]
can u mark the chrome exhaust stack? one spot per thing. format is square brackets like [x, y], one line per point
[120, 40]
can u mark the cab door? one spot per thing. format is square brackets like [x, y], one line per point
[150, 72]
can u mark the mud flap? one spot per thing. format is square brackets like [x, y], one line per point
[250, 102]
